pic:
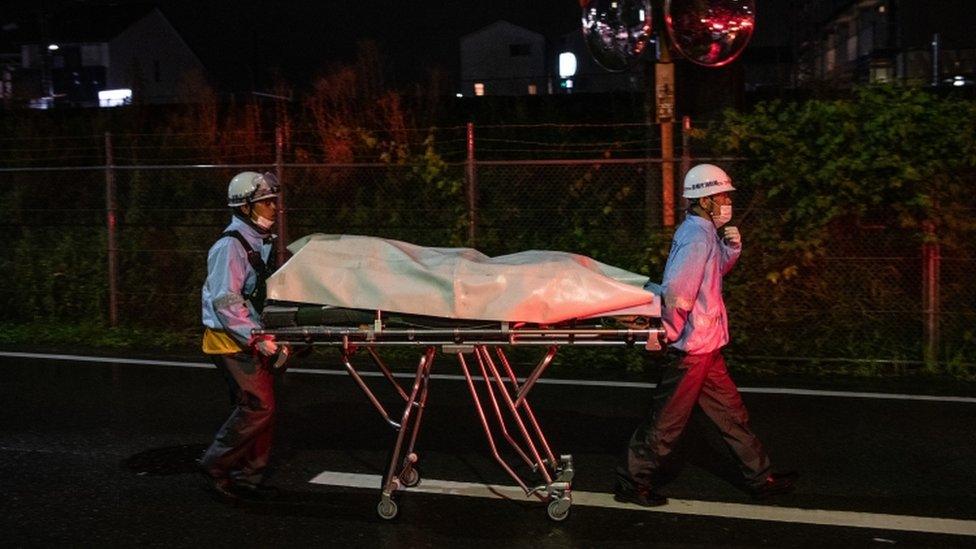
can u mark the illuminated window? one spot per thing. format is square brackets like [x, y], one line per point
[533, 89]
[479, 88]
[881, 75]
[114, 98]
[830, 57]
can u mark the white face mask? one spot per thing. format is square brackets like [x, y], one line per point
[724, 215]
[263, 222]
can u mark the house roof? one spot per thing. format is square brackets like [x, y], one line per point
[500, 24]
[86, 23]
[74, 24]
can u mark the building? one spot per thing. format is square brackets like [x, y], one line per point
[504, 59]
[917, 42]
[106, 56]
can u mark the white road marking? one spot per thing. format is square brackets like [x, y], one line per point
[820, 517]
[542, 381]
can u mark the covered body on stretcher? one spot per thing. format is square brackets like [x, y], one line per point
[358, 291]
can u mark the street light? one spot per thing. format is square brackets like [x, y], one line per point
[567, 69]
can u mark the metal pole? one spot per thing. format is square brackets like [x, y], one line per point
[110, 225]
[667, 173]
[471, 179]
[685, 146]
[935, 59]
[651, 217]
[282, 220]
[930, 294]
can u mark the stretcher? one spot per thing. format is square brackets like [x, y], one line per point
[500, 397]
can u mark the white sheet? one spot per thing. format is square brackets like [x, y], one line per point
[372, 273]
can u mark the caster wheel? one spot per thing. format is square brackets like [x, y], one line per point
[387, 509]
[558, 509]
[410, 477]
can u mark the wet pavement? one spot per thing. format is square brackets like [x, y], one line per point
[101, 455]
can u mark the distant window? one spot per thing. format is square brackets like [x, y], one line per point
[533, 89]
[114, 98]
[519, 50]
[479, 89]
[830, 57]
[865, 40]
[881, 75]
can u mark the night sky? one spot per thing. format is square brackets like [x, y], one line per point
[245, 40]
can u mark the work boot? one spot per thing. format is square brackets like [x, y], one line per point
[252, 491]
[774, 485]
[641, 495]
[221, 489]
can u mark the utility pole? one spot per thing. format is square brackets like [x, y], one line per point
[664, 116]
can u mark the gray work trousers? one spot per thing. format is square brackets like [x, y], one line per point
[242, 446]
[687, 381]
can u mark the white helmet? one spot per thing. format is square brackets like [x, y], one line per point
[706, 180]
[248, 187]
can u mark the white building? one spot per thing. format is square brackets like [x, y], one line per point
[504, 59]
[133, 49]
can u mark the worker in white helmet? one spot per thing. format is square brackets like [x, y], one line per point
[703, 250]
[232, 298]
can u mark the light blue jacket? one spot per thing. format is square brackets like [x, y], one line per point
[230, 277]
[694, 315]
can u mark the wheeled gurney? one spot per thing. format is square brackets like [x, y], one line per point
[316, 304]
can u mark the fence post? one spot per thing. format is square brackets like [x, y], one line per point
[471, 181]
[110, 225]
[685, 146]
[667, 173]
[930, 293]
[282, 221]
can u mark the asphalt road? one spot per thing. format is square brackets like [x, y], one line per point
[100, 454]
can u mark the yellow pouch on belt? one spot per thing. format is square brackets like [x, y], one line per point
[217, 342]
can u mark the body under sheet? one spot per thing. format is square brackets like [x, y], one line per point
[537, 286]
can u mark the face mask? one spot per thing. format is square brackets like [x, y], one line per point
[724, 215]
[263, 222]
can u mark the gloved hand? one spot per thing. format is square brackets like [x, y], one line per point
[278, 361]
[266, 346]
[731, 236]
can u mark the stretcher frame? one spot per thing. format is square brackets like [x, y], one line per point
[503, 396]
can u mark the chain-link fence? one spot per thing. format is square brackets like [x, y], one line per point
[865, 300]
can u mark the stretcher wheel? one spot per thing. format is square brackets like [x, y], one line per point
[387, 509]
[558, 509]
[410, 477]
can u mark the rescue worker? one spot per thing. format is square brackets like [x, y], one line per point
[232, 297]
[703, 250]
